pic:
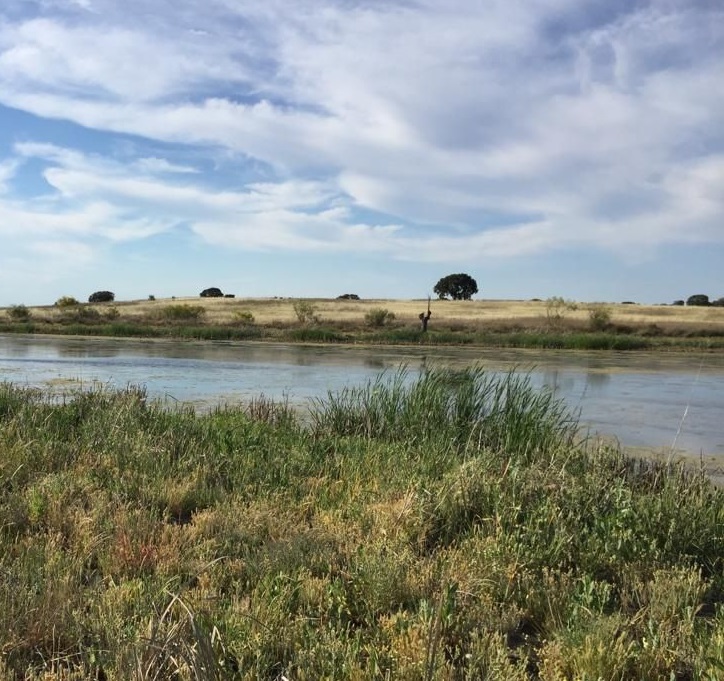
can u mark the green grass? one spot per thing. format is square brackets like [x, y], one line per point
[446, 527]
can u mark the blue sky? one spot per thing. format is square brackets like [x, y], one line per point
[567, 148]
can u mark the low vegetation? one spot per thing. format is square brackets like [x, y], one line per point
[447, 526]
[554, 323]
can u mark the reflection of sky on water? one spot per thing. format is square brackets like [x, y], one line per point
[639, 398]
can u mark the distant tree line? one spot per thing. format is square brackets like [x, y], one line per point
[701, 300]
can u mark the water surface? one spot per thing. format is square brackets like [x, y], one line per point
[642, 399]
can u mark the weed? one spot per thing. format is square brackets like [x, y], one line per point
[182, 312]
[378, 317]
[19, 313]
[306, 312]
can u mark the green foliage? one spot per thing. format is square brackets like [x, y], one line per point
[82, 314]
[316, 334]
[212, 292]
[306, 312]
[102, 297]
[698, 299]
[66, 301]
[19, 313]
[244, 317]
[599, 316]
[434, 527]
[378, 316]
[182, 312]
[456, 286]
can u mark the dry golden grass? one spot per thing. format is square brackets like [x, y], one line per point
[269, 311]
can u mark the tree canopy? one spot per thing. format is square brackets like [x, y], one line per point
[102, 297]
[456, 286]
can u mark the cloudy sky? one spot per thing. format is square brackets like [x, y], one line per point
[318, 147]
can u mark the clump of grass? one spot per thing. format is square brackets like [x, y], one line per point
[467, 407]
[446, 525]
[182, 312]
[378, 317]
[315, 335]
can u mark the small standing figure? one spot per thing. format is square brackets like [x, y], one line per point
[424, 319]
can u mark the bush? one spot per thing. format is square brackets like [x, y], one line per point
[305, 311]
[556, 308]
[212, 292]
[719, 302]
[152, 297]
[599, 317]
[112, 313]
[182, 312]
[348, 296]
[378, 317]
[244, 316]
[698, 299]
[81, 314]
[19, 313]
[229, 295]
[678, 302]
[102, 297]
[66, 301]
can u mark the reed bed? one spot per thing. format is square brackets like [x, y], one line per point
[446, 526]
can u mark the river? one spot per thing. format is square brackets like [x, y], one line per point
[656, 401]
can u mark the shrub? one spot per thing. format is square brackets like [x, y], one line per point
[719, 302]
[556, 308]
[599, 317]
[102, 297]
[66, 301]
[19, 313]
[348, 296]
[112, 313]
[698, 299]
[152, 297]
[81, 314]
[378, 317]
[244, 316]
[182, 312]
[678, 302]
[305, 311]
[212, 292]
[229, 295]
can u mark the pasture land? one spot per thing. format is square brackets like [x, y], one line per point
[484, 322]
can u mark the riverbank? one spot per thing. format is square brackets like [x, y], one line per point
[501, 324]
[451, 527]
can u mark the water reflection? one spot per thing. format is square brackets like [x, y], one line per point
[642, 399]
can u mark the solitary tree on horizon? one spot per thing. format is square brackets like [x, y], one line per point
[457, 286]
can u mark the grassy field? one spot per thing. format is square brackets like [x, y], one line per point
[554, 323]
[451, 528]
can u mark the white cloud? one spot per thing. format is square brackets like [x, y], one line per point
[490, 129]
